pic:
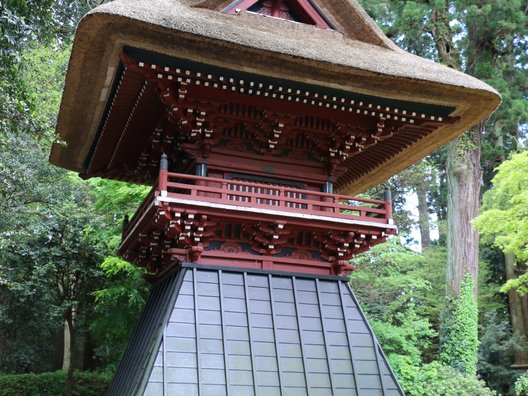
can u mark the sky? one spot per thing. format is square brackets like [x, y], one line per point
[411, 204]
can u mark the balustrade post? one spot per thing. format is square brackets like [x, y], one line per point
[223, 194]
[163, 175]
[388, 204]
[328, 188]
[201, 170]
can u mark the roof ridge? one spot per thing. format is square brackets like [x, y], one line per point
[345, 16]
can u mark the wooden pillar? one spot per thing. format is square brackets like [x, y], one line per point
[388, 202]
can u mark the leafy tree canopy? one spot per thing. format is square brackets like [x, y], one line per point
[504, 220]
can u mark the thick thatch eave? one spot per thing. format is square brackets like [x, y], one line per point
[358, 60]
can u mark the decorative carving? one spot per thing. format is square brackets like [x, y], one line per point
[382, 132]
[176, 236]
[276, 8]
[202, 115]
[174, 99]
[272, 130]
[191, 118]
[301, 254]
[231, 247]
[196, 231]
[162, 217]
[266, 238]
[341, 142]
[343, 267]
[336, 246]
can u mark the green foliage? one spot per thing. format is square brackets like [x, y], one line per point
[52, 384]
[436, 379]
[459, 332]
[22, 25]
[113, 201]
[43, 70]
[117, 307]
[497, 343]
[115, 197]
[505, 208]
[405, 22]
[402, 293]
[490, 301]
[55, 231]
[520, 284]
[48, 248]
[391, 278]
[504, 218]
[405, 335]
[121, 297]
[521, 385]
[496, 353]
[48, 268]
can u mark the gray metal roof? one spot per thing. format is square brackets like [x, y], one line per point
[214, 331]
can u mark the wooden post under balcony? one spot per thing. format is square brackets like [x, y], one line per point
[164, 169]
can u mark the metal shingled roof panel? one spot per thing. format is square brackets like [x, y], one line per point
[233, 332]
[142, 347]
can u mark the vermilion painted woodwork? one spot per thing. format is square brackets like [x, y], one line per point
[267, 148]
[234, 223]
[192, 116]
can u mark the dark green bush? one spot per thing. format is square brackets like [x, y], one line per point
[52, 384]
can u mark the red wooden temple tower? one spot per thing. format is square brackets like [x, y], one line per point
[253, 121]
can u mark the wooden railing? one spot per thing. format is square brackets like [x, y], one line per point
[263, 195]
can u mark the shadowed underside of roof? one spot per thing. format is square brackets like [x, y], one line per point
[355, 57]
[137, 126]
[231, 332]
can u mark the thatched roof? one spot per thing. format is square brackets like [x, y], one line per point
[355, 57]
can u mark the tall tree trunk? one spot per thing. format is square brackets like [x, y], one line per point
[66, 356]
[459, 324]
[464, 179]
[459, 327]
[524, 307]
[70, 321]
[518, 309]
[423, 217]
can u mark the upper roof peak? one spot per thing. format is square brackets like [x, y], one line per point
[303, 11]
[347, 17]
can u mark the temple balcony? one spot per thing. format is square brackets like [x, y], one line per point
[224, 222]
